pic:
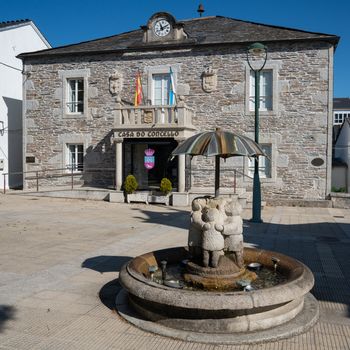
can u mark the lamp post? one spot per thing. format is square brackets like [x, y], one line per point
[256, 57]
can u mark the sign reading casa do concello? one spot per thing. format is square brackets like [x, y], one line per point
[148, 133]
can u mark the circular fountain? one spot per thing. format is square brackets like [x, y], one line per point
[215, 290]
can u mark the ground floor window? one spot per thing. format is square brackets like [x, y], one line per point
[75, 157]
[264, 163]
[149, 161]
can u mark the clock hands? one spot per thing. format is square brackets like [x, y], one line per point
[162, 28]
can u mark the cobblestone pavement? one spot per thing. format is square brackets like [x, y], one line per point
[59, 263]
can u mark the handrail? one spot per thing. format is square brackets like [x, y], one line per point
[73, 173]
[235, 171]
[43, 174]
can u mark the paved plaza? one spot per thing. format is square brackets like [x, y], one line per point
[59, 263]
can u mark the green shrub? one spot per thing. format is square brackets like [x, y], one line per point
[165, 186]
[130, 184]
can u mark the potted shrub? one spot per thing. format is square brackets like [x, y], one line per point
[164, 194]
[165, 186]
[130, 186]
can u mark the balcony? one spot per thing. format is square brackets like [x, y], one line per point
[153, 121]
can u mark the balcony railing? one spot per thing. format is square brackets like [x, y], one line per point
[179, 116]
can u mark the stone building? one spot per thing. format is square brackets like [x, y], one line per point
[80, 113]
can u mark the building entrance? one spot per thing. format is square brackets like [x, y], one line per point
[135, 151]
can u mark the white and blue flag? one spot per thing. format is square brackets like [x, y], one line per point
[172, 91]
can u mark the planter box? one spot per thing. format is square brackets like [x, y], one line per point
[160, 199]
[138, 197]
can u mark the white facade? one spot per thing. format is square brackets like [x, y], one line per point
[15, 38]
[342, 149]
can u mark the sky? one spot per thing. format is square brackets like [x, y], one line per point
[65, 22]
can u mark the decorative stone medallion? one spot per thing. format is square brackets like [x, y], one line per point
[209, 80]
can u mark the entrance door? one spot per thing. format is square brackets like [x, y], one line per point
[134, 154]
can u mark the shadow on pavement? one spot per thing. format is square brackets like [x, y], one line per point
[109, 292]
[104, 263]
[322, 246]
[171, 217]
[7, 313]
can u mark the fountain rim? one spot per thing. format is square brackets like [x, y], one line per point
[296, 287]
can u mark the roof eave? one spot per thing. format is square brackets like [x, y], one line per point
[182, 45]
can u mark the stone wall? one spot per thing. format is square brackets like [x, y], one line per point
[297, 127]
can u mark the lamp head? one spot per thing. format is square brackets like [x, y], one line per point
[256, 56]
[257, 48]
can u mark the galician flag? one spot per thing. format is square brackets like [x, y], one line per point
[172, 91]
[138, 90]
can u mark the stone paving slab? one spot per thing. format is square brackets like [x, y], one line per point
[59, 263]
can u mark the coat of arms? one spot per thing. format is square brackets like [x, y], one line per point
[149, 159]
[115, 83]
[209, 79]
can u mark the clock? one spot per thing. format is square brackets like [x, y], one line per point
[161, 27]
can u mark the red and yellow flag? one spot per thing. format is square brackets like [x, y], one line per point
[138, 91]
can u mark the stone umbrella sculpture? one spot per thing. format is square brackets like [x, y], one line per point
[221, 144]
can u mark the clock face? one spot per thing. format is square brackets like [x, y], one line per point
[162, 27]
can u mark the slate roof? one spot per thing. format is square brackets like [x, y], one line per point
[200, 31]
[13, 23]
[341, 103]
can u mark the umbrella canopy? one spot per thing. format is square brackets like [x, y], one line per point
[219, 143]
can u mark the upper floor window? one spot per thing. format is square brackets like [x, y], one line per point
[75, 98]
[266, 90]
[339, 117]
[75, 88]
[161, 88]
[264, 163]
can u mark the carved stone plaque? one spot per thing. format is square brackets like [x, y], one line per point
[115, 83]
[209, 80]
[148, 117]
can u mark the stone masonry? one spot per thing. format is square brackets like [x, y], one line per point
[297, 128]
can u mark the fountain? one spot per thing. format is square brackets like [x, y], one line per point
[216, 290]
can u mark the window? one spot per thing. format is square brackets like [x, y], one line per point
[75, 157]
[339, 117]
[75, 98]
[161, 86]
[75, 88]
[266, 83]
[264, 163]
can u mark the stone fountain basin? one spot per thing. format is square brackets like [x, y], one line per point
[217, 312]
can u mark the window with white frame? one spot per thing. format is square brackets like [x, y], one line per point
[75, 96]
[266, 90]
[340, 116]
[161, 87]
[75, 157]
[264, 163]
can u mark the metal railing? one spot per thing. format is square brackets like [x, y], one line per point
[71, 173]
[235, 172]
[55, 173]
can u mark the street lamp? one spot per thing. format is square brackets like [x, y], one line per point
[256, 57]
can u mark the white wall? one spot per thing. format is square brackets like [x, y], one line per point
[342, 149]
[13, 41]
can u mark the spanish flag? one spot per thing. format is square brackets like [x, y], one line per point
[138, 91]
